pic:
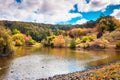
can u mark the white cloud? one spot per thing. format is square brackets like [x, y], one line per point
[47, 11]
[59, 17]
[52, 11]
[116, 14]
[82, 21]
[96, 5]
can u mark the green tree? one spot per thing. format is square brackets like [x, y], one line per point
[31, 42]
[36, 36]
[108, 23]
[72, 44]
[59, 32]
[15, 31]
[6, 44]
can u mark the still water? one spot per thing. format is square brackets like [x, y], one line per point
[33, 63]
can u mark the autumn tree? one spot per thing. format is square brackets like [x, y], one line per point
[74, 33]
[28, 40]
[59, 41]
[108, 23]
[18, 39]
[49, 41]
[77, 32]
[6, 44]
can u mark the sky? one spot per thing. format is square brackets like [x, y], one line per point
[58, 11]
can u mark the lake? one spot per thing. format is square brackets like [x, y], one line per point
[30, 63]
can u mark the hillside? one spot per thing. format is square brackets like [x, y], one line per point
[39, 31]
[92, 34]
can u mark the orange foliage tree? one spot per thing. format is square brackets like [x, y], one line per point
[26, 38]
[59, 41]
[77, 32]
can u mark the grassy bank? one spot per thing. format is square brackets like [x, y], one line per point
[108, 72]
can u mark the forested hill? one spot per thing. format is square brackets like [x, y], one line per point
[39, 30]
[27, 25]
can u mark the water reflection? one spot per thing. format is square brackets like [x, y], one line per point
[34, 63]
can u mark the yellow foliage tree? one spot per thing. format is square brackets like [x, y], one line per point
[18, 39]
[6, 45]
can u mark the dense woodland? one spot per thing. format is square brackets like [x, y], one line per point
[41, 31]
[93, 34]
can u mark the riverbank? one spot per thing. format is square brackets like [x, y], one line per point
[107, 72]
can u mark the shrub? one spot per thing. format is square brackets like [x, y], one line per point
[73, 44]
[99, 35]
[31, 42]
[15, 31]
[97, 44]
[78, 41]
[113, 36]
[88, 38]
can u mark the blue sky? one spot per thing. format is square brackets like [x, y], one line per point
[93, 15]
[58, 12]
[19, 1]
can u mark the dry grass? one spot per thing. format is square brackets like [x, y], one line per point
[109, 72]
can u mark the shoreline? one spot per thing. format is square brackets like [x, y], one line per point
[83, 75]
[91, 72]
[109, 47]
